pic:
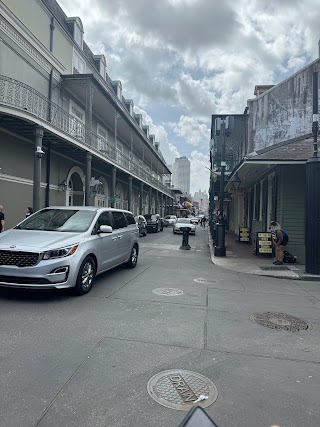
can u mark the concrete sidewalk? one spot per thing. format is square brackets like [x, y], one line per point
[240, 257]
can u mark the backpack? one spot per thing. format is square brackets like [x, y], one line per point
[288, 257]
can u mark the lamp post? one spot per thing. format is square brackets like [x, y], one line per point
[312, 206]
[223, 127]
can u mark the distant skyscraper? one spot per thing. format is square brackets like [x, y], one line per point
[181, 174]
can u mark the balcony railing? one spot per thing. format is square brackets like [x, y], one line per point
[23, 97]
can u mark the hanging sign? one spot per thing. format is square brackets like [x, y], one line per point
[264, 244]
[244, 234]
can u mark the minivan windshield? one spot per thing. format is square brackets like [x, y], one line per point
[64, 220]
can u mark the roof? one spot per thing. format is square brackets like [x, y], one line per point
[294, 150]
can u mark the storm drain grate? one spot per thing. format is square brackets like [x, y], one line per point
[168, 292]
[275, 268]
[179, 389]
[279, 321]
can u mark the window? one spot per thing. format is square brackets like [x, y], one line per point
[119, 220]
[79, 66]
[76, 121]
[102, 138]
[104, 219]
[130, 218]
[119, 148]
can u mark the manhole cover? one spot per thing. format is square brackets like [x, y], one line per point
[280, 321]
[275, 268]
[178, 389]
[199, 280]
[169, 292]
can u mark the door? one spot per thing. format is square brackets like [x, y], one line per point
[106, 244]
[123, 234]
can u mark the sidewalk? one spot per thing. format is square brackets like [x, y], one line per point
[241, 257]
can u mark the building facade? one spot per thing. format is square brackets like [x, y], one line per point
[67, 134]
[271, 171]
[181, 174]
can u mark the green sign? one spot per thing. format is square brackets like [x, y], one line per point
[112, 199]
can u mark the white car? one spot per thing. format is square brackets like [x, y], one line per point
[169, 220]
[181, 223]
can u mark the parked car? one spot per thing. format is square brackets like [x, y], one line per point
[66, 247]
[142, 224]
[184, 222]
[154, 222]
[169, 220]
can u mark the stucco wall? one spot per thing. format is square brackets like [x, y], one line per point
[33, 16]
[282, 113]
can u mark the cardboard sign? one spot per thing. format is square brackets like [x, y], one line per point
[264, 244]
[244, 234]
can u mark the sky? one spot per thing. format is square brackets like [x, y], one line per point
[183, 60]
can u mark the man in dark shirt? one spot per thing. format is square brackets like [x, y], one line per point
[1, 220]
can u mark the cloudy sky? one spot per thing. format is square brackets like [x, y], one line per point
[183, 60]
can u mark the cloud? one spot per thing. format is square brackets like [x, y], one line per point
[199, 174]
[192, 132]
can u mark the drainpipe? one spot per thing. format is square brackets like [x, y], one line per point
[52, 27]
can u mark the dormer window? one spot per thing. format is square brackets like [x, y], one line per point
[76, 29]
[117, 87]
[101, 64]
[78, 36]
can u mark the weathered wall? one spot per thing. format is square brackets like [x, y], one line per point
[282, 113]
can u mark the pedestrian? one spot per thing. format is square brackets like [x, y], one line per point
[1, 220]
[204, 220]
[280, 239]
[29, 211]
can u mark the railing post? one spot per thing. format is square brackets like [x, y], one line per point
[88, 179]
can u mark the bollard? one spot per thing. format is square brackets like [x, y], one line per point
[185, 239]
[220, 249]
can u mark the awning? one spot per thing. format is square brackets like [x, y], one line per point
[255, 164]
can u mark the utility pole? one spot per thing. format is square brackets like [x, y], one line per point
[312, 206]
[223, 128]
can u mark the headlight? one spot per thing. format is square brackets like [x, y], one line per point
[60, 253]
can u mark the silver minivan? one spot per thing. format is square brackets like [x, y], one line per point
[66, 247]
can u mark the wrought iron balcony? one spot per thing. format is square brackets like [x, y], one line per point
[25, 98]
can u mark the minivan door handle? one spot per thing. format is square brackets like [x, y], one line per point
[114, 238]
[119, 237]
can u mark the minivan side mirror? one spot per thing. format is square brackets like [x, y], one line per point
[105, 229]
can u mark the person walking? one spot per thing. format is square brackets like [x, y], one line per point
[280, 239]
[1, 220]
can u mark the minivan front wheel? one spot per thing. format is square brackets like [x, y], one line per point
[86, 275]
[133, 257]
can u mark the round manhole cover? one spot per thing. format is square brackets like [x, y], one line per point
[178, 389]
[200, 280]
[280, 321]
[169, 292]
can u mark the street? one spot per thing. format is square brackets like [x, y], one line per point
[86, 361]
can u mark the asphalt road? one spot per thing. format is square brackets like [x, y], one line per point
[86, 361]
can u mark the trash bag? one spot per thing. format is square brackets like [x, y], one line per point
[289, 258]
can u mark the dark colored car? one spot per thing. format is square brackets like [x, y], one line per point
[142, 224]
[154, 222]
